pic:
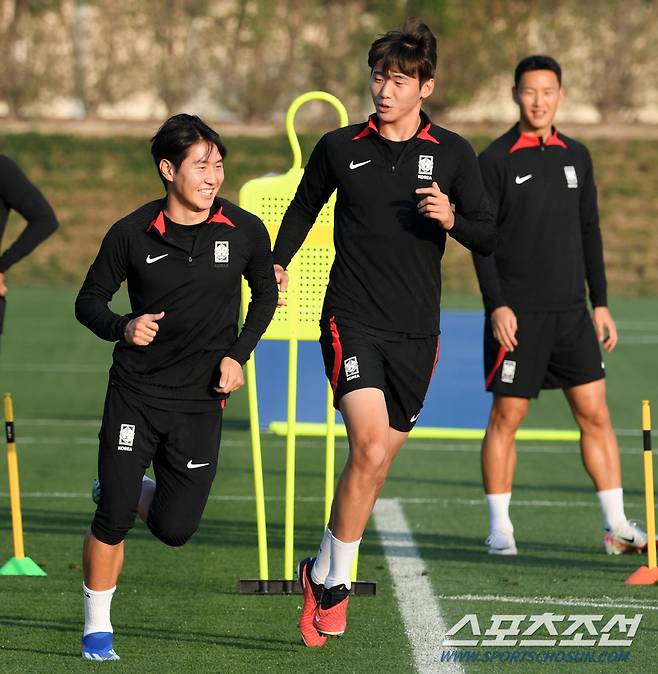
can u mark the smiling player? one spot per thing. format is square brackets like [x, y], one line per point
[177, 357]
[397, 177]
[538, 332]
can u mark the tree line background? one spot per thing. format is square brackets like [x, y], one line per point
[248, 58]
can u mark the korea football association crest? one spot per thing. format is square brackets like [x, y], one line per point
[571, 176]
[221, 253]
[126, 437]
[351, 368]
[508, 372]
[425, 166]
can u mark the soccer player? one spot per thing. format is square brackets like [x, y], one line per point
[19, 194]
[403, 185]
[538, 332]
[177, 357]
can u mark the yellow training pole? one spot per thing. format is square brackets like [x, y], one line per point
[257, 460]
[289, 528]
[14, 487]
[19, 564]
[330, 455]
[647, 575]
[648, 485]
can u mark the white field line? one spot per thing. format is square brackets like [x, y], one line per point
[444, 502]
[599, 602]
[419, 607]
[55, 368]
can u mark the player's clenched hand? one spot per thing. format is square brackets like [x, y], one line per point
[3, 287]
[141, 331]
[503, 322]
[436, 205]
[606, 328]
[231, 377]
[281, 276]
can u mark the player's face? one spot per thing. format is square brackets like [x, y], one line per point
[397, 96]
[538, 96]
[197, 180]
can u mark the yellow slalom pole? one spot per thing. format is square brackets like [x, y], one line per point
[648, 485]
[330, 456]
[289, 527]
[14, 487]
[19, 564]
[256, 454]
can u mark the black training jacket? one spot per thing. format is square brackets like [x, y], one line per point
[544, 201]
[199, 291]
[387, 270]
[19, 194]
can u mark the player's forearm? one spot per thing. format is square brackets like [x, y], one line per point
[259, 314]
[476, 232]
[490, 287]
[595, 268]
[94, 314]
[39, 227]
[295, 227]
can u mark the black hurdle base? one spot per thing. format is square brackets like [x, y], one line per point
[360, 588]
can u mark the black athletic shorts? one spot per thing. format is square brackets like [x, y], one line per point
[400, 365]
[555, 350]
[184, 450]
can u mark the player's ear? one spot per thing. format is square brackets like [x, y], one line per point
[167, 170]
[427, 88]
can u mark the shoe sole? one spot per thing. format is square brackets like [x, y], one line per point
[614, 547]
[507, 552]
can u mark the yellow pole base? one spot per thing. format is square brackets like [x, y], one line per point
[21, 567]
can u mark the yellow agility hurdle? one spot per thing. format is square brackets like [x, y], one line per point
[19, 564]
[268, 197]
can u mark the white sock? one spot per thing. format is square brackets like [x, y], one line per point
[342, 555]
[499, 519]
[321, 567]
[97, 610]
[612, 507]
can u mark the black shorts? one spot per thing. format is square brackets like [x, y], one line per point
[184, 449]
[399, 365]
[554, 350]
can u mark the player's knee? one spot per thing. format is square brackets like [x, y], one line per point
[109, 532]
[596, 418]
[370, 457]
[507, 417]
[173, 534]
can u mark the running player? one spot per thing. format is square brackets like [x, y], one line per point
[403, 185]
[538, 331]
[177, 357]
[19, 194]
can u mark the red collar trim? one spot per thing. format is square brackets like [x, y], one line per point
[525, 140]
[158, 223]
[424, 134]
[369, 128]
[220, 217]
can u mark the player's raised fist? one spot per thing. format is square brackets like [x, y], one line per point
[436, 205]
[141, 331]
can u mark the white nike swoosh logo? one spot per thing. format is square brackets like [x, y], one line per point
[361, 163]
[151, 260]
[191, 464]
[520, 180]
[415, 416]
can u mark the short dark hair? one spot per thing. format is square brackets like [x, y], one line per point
[537, 62]
[175, 137]
[412, 50]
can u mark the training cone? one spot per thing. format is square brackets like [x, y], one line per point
[21, 567]
[643, 576]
